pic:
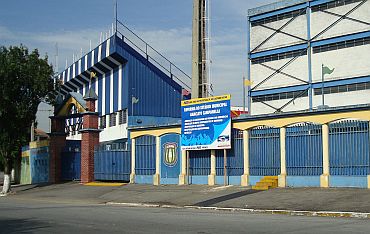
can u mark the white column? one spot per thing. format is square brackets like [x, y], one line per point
[182, 176]
[282, 176]
[245, 176]
[324, 178]
[132, 175]
[212, 176]
[156, 176]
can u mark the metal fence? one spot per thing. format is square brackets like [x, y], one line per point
[349, 148]
[234, 158]
[304, 150]
[199, 162]
[112, 163]
[71, 161]
[264, 151]
[145, 148]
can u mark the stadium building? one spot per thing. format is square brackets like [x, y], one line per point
[294, 44]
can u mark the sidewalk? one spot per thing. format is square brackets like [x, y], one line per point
[287, 199]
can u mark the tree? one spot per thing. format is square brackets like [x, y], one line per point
[25, 80]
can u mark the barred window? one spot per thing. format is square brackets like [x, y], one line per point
[343, 88]
[103, 123]
[333, 4]
[280, 96]
[122, 116]
[112, 120]
[278, 17]
[285, 55]
[341, 45]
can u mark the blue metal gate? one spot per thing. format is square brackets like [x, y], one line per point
[145, 148]
[199, 162]
[264, 151]
[39, 164]
[112, 162]
[234, 159]
[304, 150]
[349, 148]
[71, 161]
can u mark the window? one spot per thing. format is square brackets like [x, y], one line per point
[280, 96]
[278, 17]
[285, 55]
[341, 45]
[122, 116]
[112, 120]
[333, 4]
[103, 122]
[343, 88]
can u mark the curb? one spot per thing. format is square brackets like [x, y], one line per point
[334, 214]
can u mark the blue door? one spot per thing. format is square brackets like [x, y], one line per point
[170, 159]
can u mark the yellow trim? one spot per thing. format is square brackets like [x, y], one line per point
[154, 132]
[38, 144]
[105, 184]
[67, 107]
[26, 153]
[205, 100]
[318, 119]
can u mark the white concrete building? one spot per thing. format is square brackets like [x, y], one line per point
[289, 41]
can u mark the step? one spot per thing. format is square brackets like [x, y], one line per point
[260, 187]
[270, 177]
[270, 184]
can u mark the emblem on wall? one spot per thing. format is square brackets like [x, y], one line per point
[170, 154]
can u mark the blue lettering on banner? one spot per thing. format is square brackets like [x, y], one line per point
[206, 123]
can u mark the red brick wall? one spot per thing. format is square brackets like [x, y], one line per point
[57, 143]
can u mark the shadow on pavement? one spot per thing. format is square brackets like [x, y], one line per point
[22, 226]
[216, 200]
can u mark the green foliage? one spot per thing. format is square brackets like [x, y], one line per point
[25, 80]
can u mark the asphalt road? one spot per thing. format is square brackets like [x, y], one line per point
[33, 216]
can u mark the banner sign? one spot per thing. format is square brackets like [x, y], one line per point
[206, 123]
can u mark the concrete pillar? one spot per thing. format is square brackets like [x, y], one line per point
[132, 175]
[282, 176]
[324, 178]
[90, 139]
[156, 176]
[182, 176]
[212, 176]
[368, 181]
[57, 143]
[245, 176]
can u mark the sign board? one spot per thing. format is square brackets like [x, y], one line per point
[206, 123]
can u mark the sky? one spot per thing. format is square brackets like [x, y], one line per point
[164, 24]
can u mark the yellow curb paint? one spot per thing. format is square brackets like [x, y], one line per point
[104, 184]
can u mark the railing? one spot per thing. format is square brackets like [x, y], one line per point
[152, 55]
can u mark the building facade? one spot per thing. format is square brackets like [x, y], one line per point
[135, 85]
[290, 41]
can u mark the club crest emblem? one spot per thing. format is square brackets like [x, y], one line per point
[170, 154]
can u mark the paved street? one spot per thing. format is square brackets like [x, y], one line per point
[21, 215]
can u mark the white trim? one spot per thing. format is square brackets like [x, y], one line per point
[92, 57]
[111, 100]
[85, 62]
[84, 90]
[107, 48]
[79, 66]
[99, 53]
[97, 92]
[68, 73]
[103, 96]
[120, 88]
[74, 70]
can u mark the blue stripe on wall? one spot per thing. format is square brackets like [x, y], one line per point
[107, 92]
[103, 49]
[89, 59]
[96, 53]
[100, 94]
[115, 89]
[284, 10]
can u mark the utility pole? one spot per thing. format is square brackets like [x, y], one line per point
[200, 60]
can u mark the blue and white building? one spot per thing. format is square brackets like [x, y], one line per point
[290, 40]
[135, 84]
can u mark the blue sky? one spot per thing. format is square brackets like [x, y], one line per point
[165, 24]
